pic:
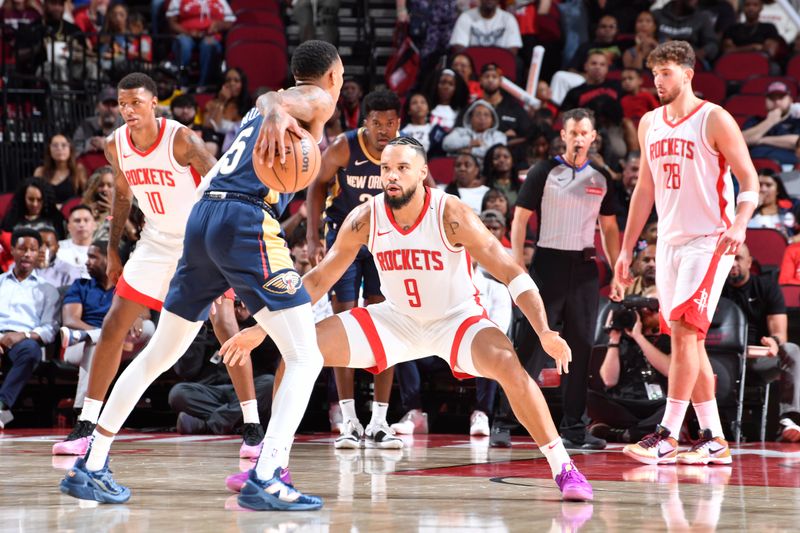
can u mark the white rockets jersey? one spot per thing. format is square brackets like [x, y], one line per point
[164, 189]
[693, 187]
[421, 273]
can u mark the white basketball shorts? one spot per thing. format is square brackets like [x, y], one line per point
[146, 276]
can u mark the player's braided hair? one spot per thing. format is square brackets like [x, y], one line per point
[412, 142]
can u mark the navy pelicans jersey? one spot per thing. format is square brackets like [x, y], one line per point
[234, 171]
[356, 183]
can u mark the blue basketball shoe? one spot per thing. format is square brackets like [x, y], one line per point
[81, 483]
[275, 495]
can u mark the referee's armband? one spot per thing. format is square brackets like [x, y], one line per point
[520, 284]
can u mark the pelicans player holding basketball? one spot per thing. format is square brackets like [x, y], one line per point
[233, 240]
[159, 162]
[422, 241]
[689, 147]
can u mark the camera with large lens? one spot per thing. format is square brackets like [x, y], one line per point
[625, 317]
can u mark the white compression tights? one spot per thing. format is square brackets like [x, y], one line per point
[295, 336]
[170, 341]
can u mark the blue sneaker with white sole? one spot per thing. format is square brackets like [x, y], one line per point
[275, 495]
[81, 483]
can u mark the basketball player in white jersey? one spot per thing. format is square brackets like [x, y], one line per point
[159, 162]
[421, 240]
[689, 148]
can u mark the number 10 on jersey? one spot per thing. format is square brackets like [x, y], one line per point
[155, 201]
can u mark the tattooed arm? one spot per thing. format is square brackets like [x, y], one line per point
[308, 105]
[190, 150]
[120, 209]
[464, 228]
[353, 234]
[335, 157]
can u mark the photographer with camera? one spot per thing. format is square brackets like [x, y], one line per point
[634, 372]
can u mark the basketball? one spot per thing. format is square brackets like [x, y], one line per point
[302, 164]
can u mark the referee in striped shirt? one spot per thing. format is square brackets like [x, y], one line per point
[569, 194]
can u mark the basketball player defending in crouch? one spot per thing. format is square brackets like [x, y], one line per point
[351, 170]
[232, 240]
[689, 146]
[421, 240]
[160, 162]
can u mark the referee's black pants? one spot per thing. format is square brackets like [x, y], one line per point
[569, 287]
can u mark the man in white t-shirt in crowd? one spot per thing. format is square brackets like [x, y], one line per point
[486, 25]
[75, 249]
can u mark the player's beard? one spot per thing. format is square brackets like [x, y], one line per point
[670, 97]
[399, 201]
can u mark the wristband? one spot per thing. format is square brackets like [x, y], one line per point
[520, 284]
[612, 345]
[747, 196]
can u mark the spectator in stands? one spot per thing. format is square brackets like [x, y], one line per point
[90, 135]
[86, 303]
[90, 18]
[624, 187]
[98, 196]
[539, 146]
[761, 300]
[645, 41]
[478, 132]
[514, 120]
[80, 226]
[752, 35]
[199, 25]
[467, 183]
[776, 135]
[644, 268]
[430, 24]
[448, 95]
[34, 206]
[350, 103]
[332, 128]
[681, 20]
[486, 25]
[416, 115]
[51, 48]
[545, 95]
[605, 41]
[636, 102]
[596, 84]
[462, 65]
[166, 78]
[616, 135]
[52, 268]
[634, 375]
[496, 200]
[495, 222]
[500, 171]
[207, 403]
[183, 108]
[310, 14]
[224, 112]
[15, 15]
[28, 309]
[790, 266]
[140, 45]
[114, 42]
[60, 170]
[775, 209]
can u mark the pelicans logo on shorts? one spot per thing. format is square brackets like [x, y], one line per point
[285, 283]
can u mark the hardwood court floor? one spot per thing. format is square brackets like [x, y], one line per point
[439, 482]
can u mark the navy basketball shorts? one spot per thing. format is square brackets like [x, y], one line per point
[233, 244]
[361, 272]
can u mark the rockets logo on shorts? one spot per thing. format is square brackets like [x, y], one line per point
[285, 283]
[702, 301]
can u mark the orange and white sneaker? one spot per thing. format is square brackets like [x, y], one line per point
[707, 451]
[654, 449]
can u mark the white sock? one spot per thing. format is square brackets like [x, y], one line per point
[708, 416]
[348, 410]
[250, 412]
[674, 415]
[274, 454]
[91, 410]
[556, 455]
[378, 413]
[98, 453]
